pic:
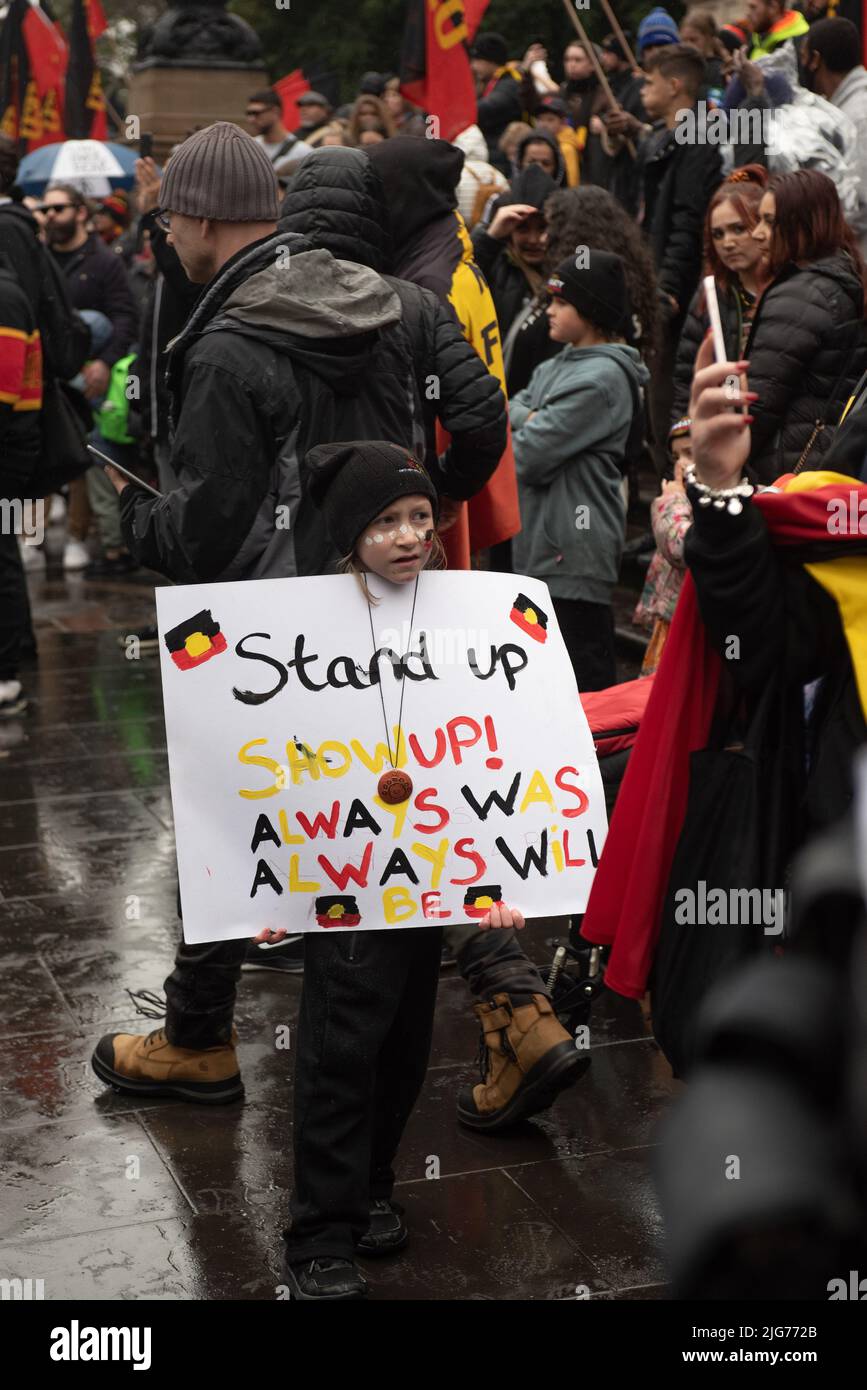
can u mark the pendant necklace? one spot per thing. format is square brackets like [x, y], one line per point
[394, 786]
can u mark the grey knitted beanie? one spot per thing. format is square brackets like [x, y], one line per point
[221, 172]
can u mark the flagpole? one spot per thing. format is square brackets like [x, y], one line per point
[116, 117]
[597, 66]
[619, 34]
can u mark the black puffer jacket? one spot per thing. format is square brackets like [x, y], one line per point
[679, 180]
[807, 348]
[692, 335]
[337, 201]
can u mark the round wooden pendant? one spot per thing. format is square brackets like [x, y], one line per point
[394, 787]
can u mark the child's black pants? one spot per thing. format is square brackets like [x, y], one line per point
[362, 1047]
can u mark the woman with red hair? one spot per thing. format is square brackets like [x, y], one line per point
[808, 343]
[735, 261]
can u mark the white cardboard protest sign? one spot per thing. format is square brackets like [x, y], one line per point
[277, 740]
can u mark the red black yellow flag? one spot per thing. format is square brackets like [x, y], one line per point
[337, 910]
[530, 618]
[435, 71]
[195, 641]
[49, 56]
[478, 901]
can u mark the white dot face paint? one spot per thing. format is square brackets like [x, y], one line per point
[378, 538]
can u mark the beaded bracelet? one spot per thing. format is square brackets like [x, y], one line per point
[726, 497]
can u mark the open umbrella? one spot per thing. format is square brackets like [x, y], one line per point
[94, 167]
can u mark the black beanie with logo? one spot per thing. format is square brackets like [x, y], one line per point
[352, 483]
[597, 289]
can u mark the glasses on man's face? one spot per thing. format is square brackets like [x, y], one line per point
[163, 219]
[50, 208]
[254, 111]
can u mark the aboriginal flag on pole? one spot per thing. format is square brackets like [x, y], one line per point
[435, 71]
[85, 101]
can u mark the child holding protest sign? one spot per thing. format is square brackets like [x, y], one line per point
[368, 1000]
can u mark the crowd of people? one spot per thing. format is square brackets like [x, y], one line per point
[545, 268]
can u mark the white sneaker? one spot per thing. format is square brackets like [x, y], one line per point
[76, 556]
[57, 510]
[11, 700]
[32, 557]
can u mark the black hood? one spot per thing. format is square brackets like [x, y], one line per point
[531, 186]
[337, 202]
[22, 214]
[420, 178]
[536, 137]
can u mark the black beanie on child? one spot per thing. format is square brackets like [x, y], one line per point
[597, 289]
[352, 483]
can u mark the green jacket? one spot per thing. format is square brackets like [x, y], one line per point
[112, 418]
[790, 25]
[569, 461]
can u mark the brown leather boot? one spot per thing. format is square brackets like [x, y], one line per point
[526, 1058]
[150, 1066]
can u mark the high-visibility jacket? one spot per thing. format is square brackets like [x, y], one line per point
[790, 25]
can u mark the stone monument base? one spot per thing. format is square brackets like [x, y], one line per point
[172, 102]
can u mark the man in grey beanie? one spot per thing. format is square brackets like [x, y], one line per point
[217, 197]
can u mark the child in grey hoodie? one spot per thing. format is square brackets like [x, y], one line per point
[571, 427]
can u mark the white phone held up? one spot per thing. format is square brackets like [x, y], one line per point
[710, 295]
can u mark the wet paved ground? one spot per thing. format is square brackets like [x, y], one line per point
[86, 846]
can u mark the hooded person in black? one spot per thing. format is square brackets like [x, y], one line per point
[510, 252]
[433, 249]
[557, 170]
[420, 185]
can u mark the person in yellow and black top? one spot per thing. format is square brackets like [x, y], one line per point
[20, 404]
[772, 24]
[500, 88]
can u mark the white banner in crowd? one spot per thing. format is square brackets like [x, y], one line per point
[274, 693]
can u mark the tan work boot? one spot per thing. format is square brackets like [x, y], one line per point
[150, 1066]
[526, 1058]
